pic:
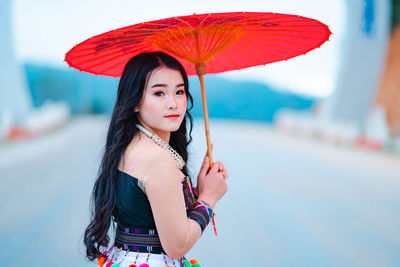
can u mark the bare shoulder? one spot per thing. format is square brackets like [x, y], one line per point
[154, 161]
[158, 159]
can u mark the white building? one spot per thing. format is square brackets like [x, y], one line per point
[362, 62]
[15, 99]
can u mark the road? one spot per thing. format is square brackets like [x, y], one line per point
[292, 201]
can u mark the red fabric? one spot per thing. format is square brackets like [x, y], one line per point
[262, 38]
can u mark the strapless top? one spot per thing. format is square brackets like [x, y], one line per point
[136, 229]
[132, 208]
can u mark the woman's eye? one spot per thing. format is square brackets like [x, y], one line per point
[181, 92]
[158, 93]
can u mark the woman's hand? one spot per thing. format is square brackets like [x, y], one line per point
[211, 182]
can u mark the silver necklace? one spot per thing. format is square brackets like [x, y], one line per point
[159, 141]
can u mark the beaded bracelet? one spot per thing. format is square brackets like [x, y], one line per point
[201, 213]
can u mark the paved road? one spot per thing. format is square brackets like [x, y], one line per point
[291, 201]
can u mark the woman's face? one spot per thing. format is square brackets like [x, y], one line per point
[164, 95]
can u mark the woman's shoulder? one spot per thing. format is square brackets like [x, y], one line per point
[157, 156]
[153, 159]
[152, 152]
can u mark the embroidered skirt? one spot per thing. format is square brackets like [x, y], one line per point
[125, 258]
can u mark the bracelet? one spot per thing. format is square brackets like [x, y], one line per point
[201, 213]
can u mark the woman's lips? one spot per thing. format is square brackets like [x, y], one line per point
[172, 116]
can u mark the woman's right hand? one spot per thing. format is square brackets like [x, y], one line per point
[211, 183]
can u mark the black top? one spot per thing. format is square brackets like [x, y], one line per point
[132, 207]
[131, 203]
[136, 228]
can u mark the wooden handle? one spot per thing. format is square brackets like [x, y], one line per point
[200, 68]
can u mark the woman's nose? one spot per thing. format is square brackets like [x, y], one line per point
[172, 102]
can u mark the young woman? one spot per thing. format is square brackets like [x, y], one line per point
[143, 183]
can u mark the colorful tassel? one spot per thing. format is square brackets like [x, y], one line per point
[100, 260]
[165, 260]
[187, 263]
[124, 256]
[147, 259]
[213, 222]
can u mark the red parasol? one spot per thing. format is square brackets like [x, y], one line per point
[205, 43]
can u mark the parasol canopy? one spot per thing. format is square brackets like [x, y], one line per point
[204, 43]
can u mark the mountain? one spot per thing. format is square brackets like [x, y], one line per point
[244, 100]
[88, 93]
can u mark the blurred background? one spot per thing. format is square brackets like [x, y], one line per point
[311, 144]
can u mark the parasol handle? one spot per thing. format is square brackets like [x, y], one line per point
[200, 73]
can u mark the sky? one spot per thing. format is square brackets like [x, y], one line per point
[44, 30]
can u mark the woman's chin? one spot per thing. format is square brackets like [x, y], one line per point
[174, 127]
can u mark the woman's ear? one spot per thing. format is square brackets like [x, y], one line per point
[136, 109]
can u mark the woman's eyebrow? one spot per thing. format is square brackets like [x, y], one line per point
[159, 85]
[164, 85]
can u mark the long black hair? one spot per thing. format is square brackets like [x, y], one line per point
[120, 133]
